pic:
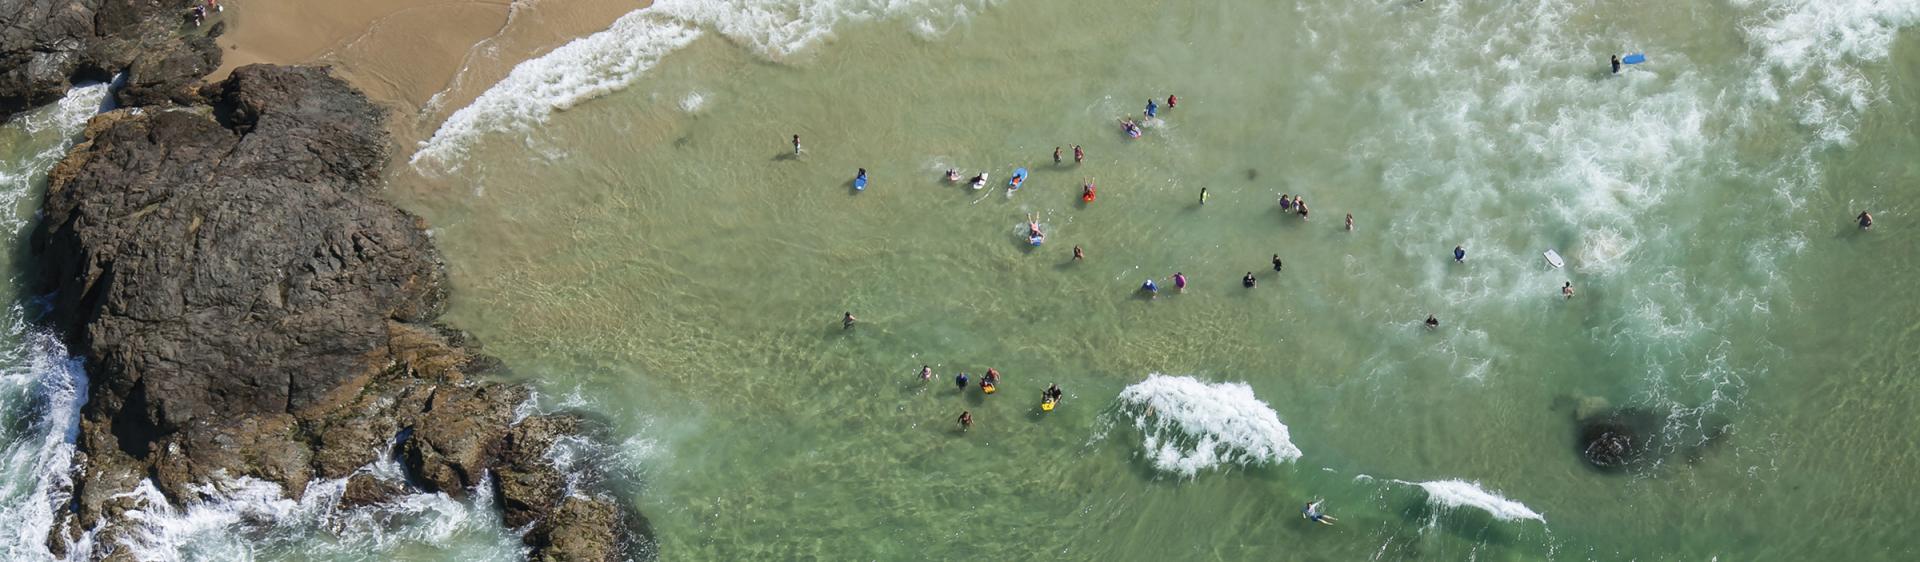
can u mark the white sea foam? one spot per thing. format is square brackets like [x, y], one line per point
[41, 387]
[1187, 425]
[1811, 50]
[614, 59]
[1454, 494]
[693, 103]
[581, 70]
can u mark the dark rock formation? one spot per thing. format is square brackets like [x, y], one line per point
[1617, 439]
[47, 44]
[249, 308]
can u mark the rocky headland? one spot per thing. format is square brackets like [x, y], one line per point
[250, 308]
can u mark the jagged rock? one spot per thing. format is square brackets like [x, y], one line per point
[46, 44]
[365, 489]
[248, 308]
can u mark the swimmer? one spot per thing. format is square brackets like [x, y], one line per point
[1432, 322]
[926, 373]
[1616, 64]
[1248, 281]
[1078, 155]
[1152, 110]
[1203, 196]
[960, 381]
[1567, 290]
[1286, 203]
[1086, 192]
[966, 420]
[1056, 156]
[1034, 235]
[993, 377]
[1312, 513]
[1151, 289]
[1276, 262]
[1171, 100]
[953, 175]
[796, 145]
[1459, 254]
[1349, 222]
[1078, 254]
[1866, 220]
[847, 321]
[1180, 281]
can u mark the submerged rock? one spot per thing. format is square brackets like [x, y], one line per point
[1617, 439]
[248, 308]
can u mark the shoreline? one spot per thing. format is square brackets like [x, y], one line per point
[422, 59]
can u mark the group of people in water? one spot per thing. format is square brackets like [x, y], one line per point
[989, 384]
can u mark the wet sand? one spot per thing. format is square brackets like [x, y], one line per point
[422, 58]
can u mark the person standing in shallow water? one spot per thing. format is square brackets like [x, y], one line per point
[1056, 156]
[1276, 262]
[847, 321]
[926, 373]
[1349, 222]
[1078, 154]
[1203, 196]
[1078, 254]
[1567, 290]
[1179, 281]
[1866, 220]
[1432, 322]
[1248, 281]
[796, 145]
[1616, 64]
[966, 420]
[1459, 254]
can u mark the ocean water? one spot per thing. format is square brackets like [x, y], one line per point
[628, 228]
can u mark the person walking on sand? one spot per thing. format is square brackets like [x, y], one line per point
[847, 321]
[796, 145]
[1276, 262]
[1349, 222]
[1078, 154]
[1567, 290]
[1056, 156]
[1866, 220]
[1078, 254]
[1313, 513]
[966, 420]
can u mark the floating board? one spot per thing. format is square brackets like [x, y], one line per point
[860, 183]
[1635, 58]
[1046, 405]
[982, 182]
[1553, 258]
[1019, 177]
[1134, 132]
[987, 388]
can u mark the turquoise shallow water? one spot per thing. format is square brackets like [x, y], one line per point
[656, 257]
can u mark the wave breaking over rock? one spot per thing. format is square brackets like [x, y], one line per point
[1187, 425]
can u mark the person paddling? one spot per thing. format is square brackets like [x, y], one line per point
[1313, 513]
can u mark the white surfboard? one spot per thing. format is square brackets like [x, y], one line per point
[1553, 259]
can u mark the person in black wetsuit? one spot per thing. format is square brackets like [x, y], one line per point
[1247, 281]
[1432, 322]
[1276, 262]
[1616, 64]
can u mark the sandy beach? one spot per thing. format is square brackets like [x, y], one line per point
[421, 58]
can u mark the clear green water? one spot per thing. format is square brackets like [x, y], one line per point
[676, 271]
[667, 265]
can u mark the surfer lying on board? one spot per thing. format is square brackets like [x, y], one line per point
[1312, 513]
